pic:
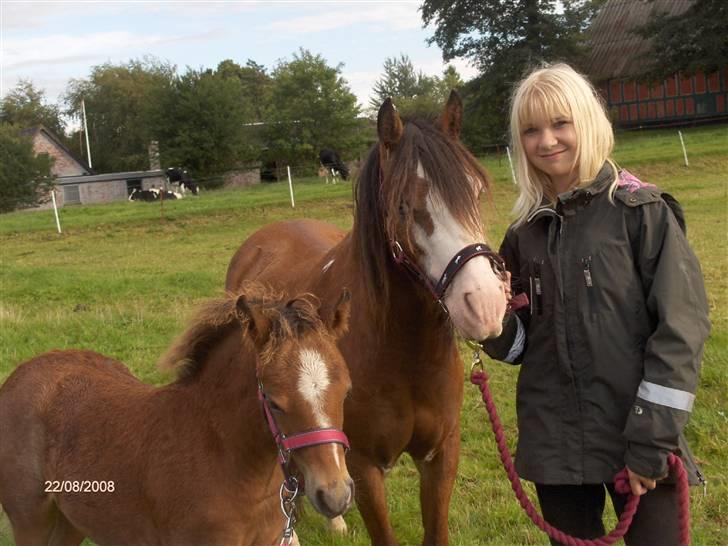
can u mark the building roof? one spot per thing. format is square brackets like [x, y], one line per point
[88, 178]
[32, 132]
[616, 50]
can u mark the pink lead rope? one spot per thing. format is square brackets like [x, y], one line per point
[621, 482]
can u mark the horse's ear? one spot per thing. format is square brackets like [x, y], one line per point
[258, 325]
[338, 319]
[389, 125]
[451, 120]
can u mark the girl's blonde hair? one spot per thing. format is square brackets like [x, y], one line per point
[545, 94]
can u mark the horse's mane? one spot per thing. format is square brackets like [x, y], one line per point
[452, 172]
[289, 318]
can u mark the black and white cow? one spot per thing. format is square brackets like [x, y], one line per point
[180, 176]
[331, 161]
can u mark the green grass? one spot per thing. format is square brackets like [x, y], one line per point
[123, 277]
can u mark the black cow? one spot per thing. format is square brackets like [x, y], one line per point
[331, 161]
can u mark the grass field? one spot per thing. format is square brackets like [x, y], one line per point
[122, 279]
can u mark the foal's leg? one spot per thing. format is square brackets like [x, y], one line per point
[437, 478]
[371, 499]
[65, 534]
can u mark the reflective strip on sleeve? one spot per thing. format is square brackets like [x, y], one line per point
[519, 342]
[665, 396]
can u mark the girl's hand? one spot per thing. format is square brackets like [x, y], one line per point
[639, 484]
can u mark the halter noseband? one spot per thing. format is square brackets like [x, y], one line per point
[288, 443]
[453, 267]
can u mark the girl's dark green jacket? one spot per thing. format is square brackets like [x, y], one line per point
[611, 343]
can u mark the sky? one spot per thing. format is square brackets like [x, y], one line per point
[53, 42]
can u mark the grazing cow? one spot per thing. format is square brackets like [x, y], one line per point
[180, 176]
[331, 161]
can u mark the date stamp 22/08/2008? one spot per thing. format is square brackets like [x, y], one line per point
[79, 486]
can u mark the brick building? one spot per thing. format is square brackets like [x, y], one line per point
[75, 181]
[619, 57]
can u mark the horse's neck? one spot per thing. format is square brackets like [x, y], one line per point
[225, 396]
[414, 322]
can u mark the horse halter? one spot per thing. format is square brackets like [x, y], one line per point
[453, 267]
[288, 443]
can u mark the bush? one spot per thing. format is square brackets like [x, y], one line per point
[25, 179]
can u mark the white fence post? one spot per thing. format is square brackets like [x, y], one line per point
[290, 186]
[685, 152]
[510, 162]
[55, 210]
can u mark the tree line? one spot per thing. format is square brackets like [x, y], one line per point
[218, 119]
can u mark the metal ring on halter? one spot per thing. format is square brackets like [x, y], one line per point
[397, 250]
[477, 364]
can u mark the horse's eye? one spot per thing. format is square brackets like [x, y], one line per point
[275, 407]
[403, 209]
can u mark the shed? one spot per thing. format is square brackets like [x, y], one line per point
[618, 62]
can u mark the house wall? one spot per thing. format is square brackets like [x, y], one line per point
[677, 98]
[242, 179]
[64, 164]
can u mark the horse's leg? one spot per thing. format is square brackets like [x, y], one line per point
[437, 478]
[371, 499]
[65, 534]
[32, 528]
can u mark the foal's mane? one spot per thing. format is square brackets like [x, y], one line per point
[288, 319]
[452, 172]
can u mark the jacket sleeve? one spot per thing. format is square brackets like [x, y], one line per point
[511, 344]
[677, 306]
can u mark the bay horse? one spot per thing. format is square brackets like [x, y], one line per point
[417, 219]
[89, 451]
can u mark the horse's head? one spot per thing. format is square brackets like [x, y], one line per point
[304, 381]
[423, 189]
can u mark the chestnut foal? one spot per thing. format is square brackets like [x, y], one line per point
[89, 451]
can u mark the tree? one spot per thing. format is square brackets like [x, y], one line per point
[311, 108]
[121, 106]
[201, 123]
[256, 85]
[504, 38]
[694, 40]
[25, 178]
[25, 106]
[413, 91]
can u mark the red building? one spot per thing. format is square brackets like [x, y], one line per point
[619, 57]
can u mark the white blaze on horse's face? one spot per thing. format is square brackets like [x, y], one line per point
[475, 299]
[313, 380]
[328, 484]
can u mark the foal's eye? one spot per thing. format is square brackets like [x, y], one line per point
[403, 209]
[275, 407]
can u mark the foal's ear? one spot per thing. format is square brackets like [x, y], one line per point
[389, 125]
[258, 325]
[451, 120]
[338, 319]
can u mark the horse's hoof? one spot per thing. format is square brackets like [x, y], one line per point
[338, 525]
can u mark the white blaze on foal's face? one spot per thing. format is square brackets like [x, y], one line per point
[313, 380]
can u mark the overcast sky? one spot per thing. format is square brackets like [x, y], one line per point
[52, 42]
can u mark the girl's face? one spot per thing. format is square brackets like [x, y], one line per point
[550, 146]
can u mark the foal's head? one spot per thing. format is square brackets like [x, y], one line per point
[421, 188]
[305, 380]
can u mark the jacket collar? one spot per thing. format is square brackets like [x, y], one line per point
[568, 201]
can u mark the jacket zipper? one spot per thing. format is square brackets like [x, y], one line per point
[537, 289]
[586, 264]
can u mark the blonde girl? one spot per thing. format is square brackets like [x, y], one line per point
[611, 341]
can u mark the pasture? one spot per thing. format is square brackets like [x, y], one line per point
[123, 278]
